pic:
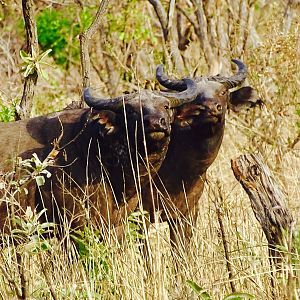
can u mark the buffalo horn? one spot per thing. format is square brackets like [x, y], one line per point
[97, 102]
[235, 80]
[164, 80]
[180, 98]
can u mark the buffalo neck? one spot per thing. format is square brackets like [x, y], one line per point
[190, 153]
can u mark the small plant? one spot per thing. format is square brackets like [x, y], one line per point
[92, 252]
[34, 168]
[198, 290]
[34, 63]
[28, 170]
[7, 113]
[135, 226]
[32, 231]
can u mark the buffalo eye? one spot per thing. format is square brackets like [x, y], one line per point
[219, 107]
[166, 107]
[223, 93]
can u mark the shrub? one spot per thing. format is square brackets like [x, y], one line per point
[58, 29]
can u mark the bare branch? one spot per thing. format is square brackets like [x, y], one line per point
[189, 18]
[31, 47]
[202, 34]
[171, 13]
[85, 37]
[162, 16]
[184, 36]
[79, 3]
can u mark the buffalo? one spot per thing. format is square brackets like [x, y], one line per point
[98, 157]
[196, 137]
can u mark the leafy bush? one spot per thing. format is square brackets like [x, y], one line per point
[58, 29]
[93, 253]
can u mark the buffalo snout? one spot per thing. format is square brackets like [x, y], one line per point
[155, 123]
[213, 107]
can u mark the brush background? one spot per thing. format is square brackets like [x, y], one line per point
[124, 54]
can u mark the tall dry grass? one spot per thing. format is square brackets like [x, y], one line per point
[110, 270]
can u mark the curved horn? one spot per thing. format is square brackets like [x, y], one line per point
[97, 102]
[235, 80]
[164, 80]
[180, 98]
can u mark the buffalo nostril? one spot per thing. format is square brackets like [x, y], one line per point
[163, 122]
[219, 107]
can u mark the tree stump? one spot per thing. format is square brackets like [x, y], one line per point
[267, 201]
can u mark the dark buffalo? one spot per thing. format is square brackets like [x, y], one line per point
[196, 137]
[101, 158]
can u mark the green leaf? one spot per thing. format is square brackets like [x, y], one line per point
[39, 214]
[239, 296]
[40, 180]
[122, 36]
[29, 70]
[198, 290]
[45, 246]
[44, 54]
[47, 173]
[41, 71]
[26, 57]
[29, 213]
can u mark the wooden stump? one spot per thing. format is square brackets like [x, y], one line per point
[267, 201]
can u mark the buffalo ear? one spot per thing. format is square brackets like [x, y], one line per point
[245, 97]
[106, 122]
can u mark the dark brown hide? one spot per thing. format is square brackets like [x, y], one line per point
[101, 162]
[196, 137]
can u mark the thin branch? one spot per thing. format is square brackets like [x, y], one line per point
[162, 16]
[171, 13]
[31, 47]
[289, 14]
[188, 16]
[202, 34]
[184, 36]
[47, 278]
[170, 45]
[23, 278]
[218, 201]
[85, 38]
[293, 143]
[79, 3]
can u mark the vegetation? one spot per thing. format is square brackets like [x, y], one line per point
[58, 30]
[124, 53]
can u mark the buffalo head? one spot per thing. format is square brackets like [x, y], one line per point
[214, 96]
[143, 115]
